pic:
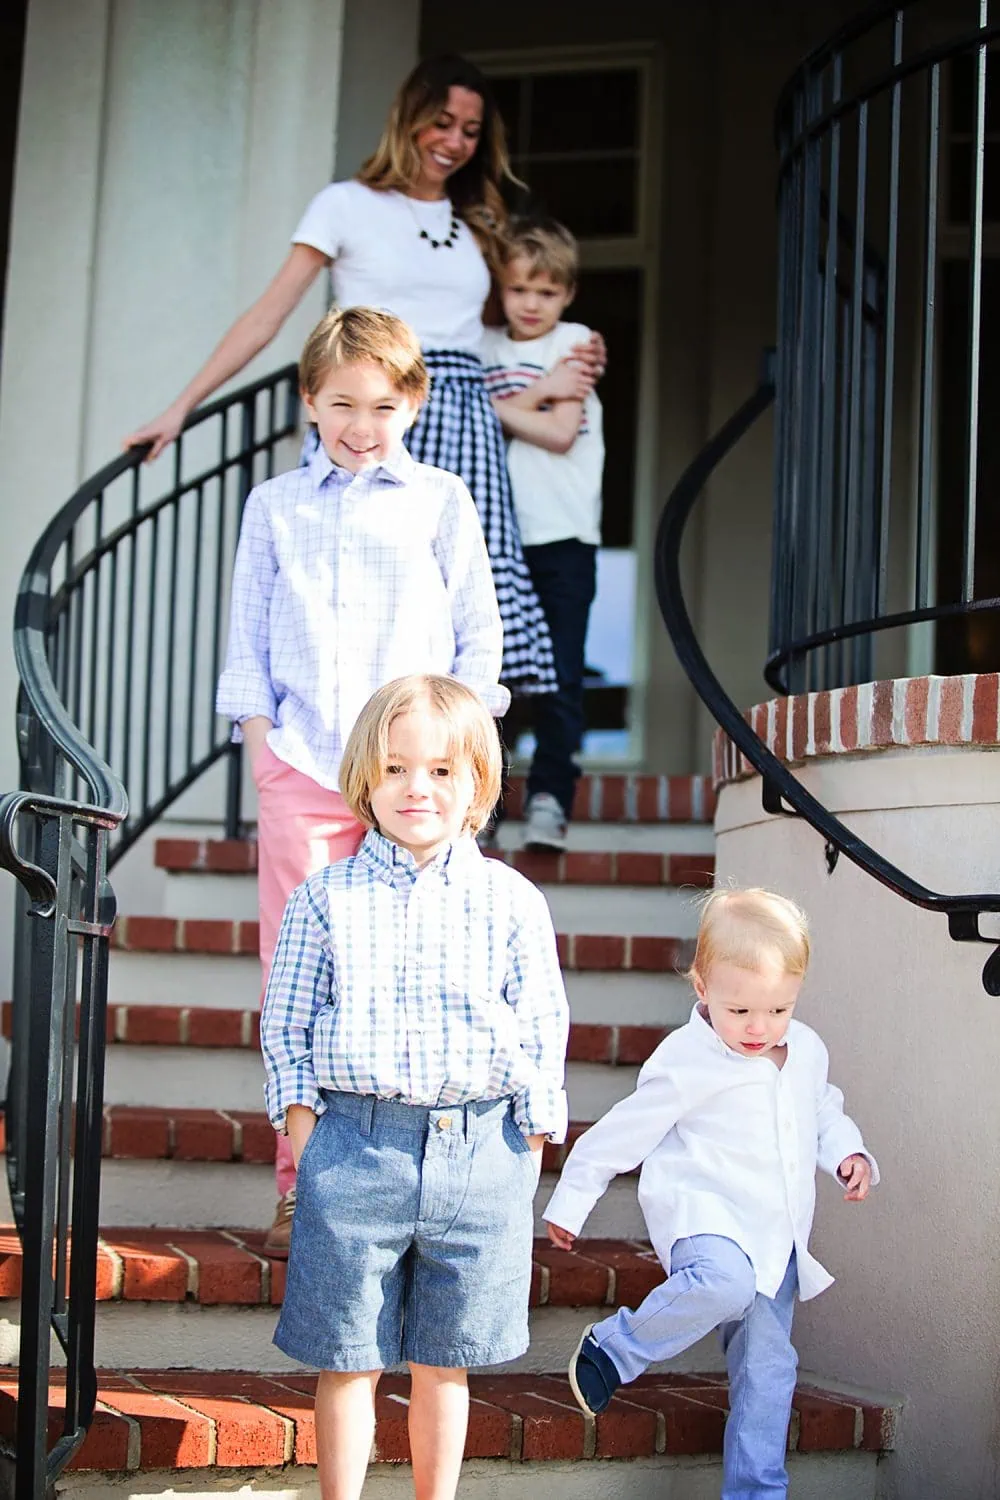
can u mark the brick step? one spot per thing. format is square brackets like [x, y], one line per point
[639, 798]
[208, 981]
[151, 1133]
[228, 1267]
[575, 867]
[577, 950]
[208, 1026]
[150, 1420]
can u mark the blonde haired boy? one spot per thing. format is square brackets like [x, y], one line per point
[555, 456]
[731, 1116]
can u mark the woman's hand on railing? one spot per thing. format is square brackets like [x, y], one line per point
[161, 431]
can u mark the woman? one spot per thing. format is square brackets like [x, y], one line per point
[415, 233]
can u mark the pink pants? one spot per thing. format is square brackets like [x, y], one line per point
[301, 827]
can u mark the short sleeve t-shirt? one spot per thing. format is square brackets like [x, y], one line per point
[380, 260]
[557, 496]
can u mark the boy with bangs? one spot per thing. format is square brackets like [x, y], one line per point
[555, 454]
[730, 1118]
[414, 1033]
[358, 567]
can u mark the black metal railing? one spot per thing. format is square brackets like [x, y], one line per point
[781, 790]
[883, 358]
[118, 640]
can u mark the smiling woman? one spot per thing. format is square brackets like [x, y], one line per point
[416, 233]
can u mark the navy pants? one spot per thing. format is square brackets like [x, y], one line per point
[564, 575]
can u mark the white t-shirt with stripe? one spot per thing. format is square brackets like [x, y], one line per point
[557, 496]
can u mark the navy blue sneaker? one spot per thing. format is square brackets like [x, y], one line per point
[592, 1374]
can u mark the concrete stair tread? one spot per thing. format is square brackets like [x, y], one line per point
[150, 1420]
[575, 867]
[228, 1267]
[224, 1027]
[221, 937]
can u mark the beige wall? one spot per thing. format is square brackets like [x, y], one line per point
[914, 1043]
[723, 64]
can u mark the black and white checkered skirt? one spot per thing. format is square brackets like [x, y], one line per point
[458, 431]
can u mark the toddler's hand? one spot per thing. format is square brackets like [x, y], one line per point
[561, 1238]
[855, 1172]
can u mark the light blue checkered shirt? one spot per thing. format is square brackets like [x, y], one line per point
[343, 582]
[435, 986]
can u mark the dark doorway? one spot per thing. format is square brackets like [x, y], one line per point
[13, 24]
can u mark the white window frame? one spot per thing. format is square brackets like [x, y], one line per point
[627, 252]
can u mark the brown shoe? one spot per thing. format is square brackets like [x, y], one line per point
[279, 1236]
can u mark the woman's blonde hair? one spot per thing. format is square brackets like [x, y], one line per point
[746, 928]
[365, 335]
[475, 189]
[472, 741]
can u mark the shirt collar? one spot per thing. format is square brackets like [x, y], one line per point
[396, 469]
[390, 863]
[711, 1038]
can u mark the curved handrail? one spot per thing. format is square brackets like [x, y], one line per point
[780, 786]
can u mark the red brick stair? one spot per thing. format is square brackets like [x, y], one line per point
[577, 951]
[208, 1026]
[576, 867]
[150, 1133]
[228, 1267]
[149, 1420]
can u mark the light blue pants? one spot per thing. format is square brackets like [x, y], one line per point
[711, 1285]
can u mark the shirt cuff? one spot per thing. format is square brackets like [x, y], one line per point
[496, 698]
[242, 697]
[279, 1100]
[568, 1208]
[542, 1111]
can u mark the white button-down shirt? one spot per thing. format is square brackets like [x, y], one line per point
[729, 1146]
[436, 985]
[343, 582]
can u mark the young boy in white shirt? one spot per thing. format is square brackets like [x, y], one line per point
[555, 456]
[730, 1118]
[351, 570]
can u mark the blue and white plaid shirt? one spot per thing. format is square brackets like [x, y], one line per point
[436, 985]
[343, 582]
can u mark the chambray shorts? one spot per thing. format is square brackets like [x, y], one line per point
[412, 1237]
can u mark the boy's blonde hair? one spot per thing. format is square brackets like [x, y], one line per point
[364, 335]
[546, 245]
[747, 928]
[472, 740]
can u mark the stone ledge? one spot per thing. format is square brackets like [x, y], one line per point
[199, 1420]
[900, 712]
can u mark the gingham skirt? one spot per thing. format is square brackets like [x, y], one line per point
[458, 431]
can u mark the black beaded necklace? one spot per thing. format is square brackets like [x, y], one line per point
[450, 237]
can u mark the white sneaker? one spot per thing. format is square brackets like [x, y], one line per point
[546, 823]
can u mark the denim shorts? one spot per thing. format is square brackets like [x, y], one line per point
[412, 1237]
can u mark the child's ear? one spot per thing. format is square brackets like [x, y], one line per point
[307, 402]
[698, 984]
[571, 294]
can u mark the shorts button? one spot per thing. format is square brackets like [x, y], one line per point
[444, 1123]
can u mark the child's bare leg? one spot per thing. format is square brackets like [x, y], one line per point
[345, 1430]
[439, 1416]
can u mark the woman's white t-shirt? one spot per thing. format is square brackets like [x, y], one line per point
[380, 260]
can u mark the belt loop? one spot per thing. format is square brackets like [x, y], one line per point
[367, 1113]
[469, 1122]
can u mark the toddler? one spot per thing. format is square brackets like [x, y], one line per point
[731, 1116]
[414, 1033]
[350, 571]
